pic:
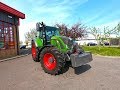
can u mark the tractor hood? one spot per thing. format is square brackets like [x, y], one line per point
[65, 43]
[72, 45]
[68, 41]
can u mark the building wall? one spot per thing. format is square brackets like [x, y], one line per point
[9, 31]
[114, 41]
[85, 42]
[17, 40]
[6, 53]
[9, 18]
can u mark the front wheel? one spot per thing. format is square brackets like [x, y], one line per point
[52, 61]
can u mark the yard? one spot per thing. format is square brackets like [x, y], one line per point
[103, 73]
[103, 50]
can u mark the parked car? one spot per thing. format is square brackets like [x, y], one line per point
[23, 47]
[106, 44]
[91, 44]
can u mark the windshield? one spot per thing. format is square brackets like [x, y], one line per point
[51, 31]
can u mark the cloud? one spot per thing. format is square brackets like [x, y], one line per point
[109, 17]
[111, 24]
[50, 12]
[94, 17]
[57, 10]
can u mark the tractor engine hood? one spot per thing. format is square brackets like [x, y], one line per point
[73, 46]
[68, 41]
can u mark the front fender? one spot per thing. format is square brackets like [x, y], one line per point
[38, 42]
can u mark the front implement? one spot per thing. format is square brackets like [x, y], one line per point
[80, 59]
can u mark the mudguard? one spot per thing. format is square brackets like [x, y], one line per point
[39, 42]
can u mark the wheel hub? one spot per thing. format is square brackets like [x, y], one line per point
[49, 61]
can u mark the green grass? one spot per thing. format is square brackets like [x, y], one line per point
[105, 51]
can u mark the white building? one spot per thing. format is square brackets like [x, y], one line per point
[89, 39]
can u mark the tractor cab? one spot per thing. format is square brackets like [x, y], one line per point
[46, 32]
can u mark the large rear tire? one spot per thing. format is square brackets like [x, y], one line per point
[52, 61]
[35, 52]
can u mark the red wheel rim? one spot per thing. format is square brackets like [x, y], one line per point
[34, 52]
[49, 61]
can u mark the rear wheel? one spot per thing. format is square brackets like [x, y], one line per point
[35, 52]
[52, 61]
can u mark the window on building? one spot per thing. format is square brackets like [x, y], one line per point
[6, 36]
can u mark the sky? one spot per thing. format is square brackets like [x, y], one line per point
[92, 13]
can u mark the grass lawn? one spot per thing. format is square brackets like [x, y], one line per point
[105, 51]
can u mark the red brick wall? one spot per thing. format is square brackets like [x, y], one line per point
[7, 53]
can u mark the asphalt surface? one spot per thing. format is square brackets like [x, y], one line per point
[102, 73]
[25, 51]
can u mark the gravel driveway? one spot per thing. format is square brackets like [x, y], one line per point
[102, 73]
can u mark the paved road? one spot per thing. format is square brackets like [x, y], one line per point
[24, 74]
[25, 51]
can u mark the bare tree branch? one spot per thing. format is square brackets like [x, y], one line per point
[30, 35]
[76, 31]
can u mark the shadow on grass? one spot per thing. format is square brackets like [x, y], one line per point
[82, 69]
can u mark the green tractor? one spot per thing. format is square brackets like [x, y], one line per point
[53, 50]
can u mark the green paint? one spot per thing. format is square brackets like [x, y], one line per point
[58, 43]
[56, 40]
[39, 42]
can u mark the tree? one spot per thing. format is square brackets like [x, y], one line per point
[21, 42]
[30, 35]
[26, 42]
[63, 29]
[96, 33]
[117, 32]
[107, 33]
[101, 34]
[77, 30]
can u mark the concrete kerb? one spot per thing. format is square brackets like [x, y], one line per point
[106, 56]
[12, 58]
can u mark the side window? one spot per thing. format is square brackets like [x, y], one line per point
[6, 36]
[1, 35]
[39, 34]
